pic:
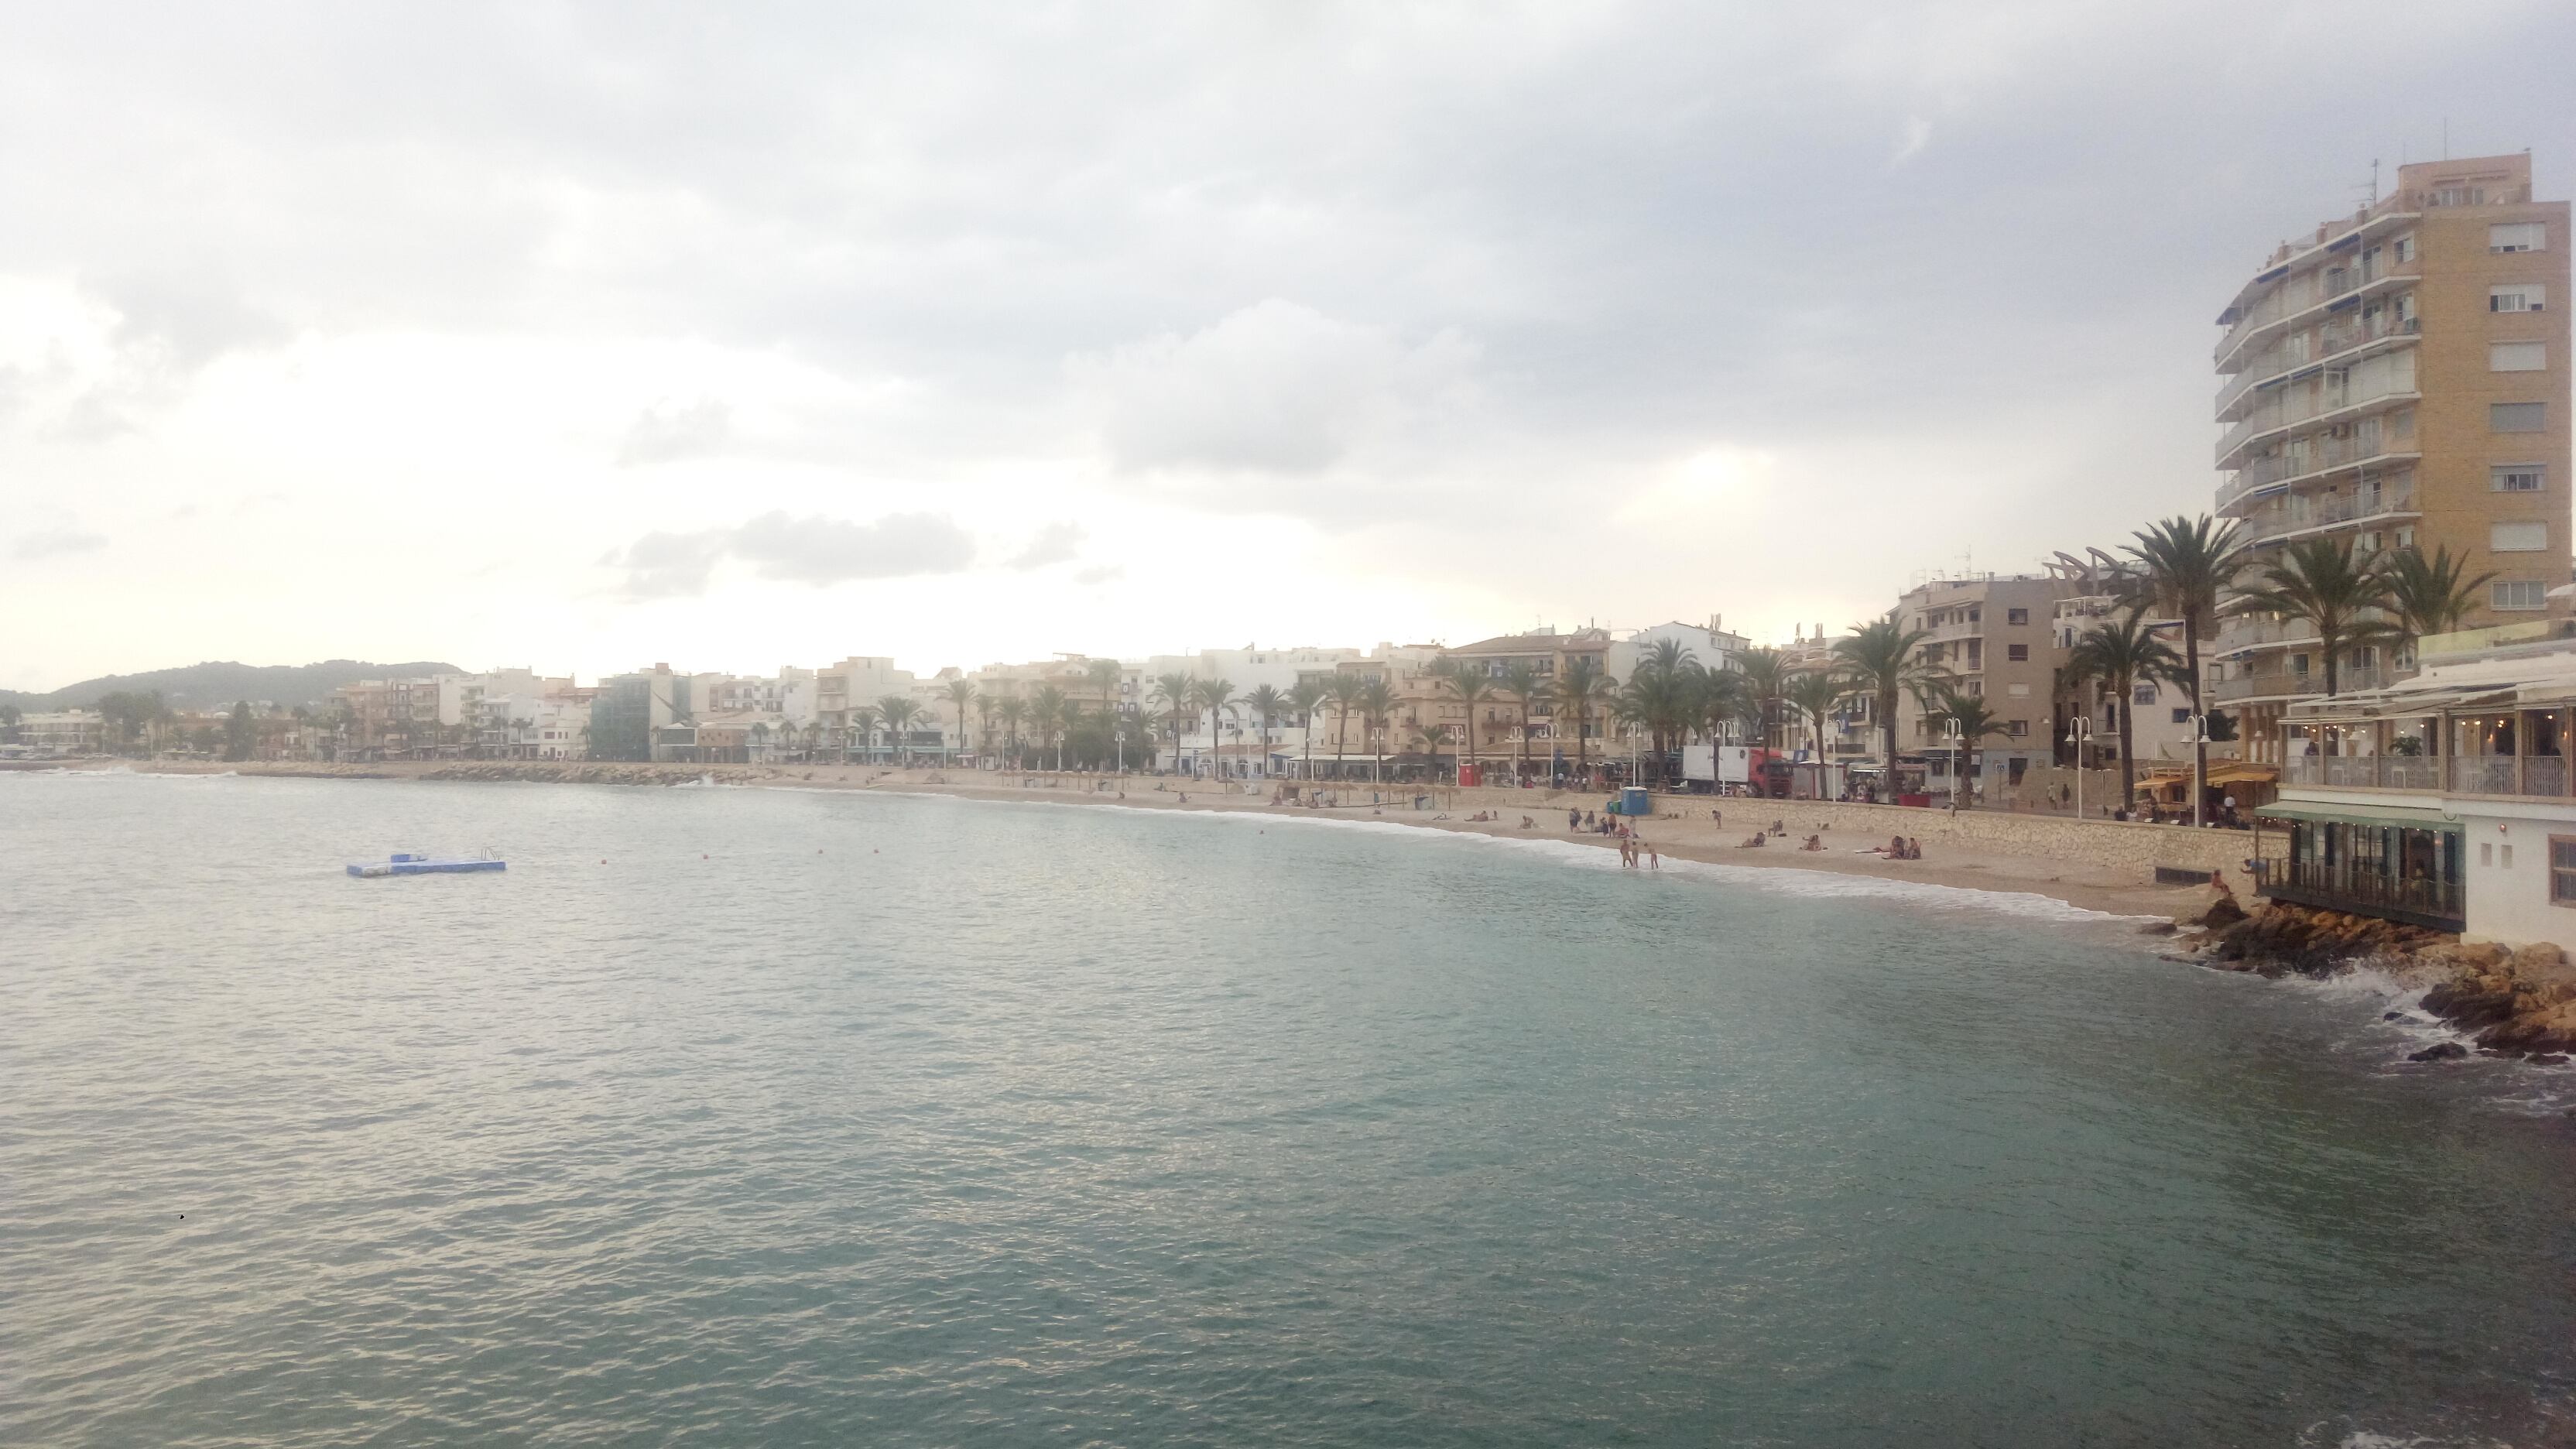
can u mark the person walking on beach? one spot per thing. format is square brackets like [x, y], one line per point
[1654, 858]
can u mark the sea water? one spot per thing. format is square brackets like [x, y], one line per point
[753, 1117]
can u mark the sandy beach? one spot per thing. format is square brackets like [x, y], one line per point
[2111, 879]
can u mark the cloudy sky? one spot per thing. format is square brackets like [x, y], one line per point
[585, 336]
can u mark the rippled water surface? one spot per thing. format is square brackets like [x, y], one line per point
[767, 1118]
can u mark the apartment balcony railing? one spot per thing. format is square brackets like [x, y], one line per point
[2541, 777]
[2296, 686]
[2294, 300]
[2334, 341]
[2321, 459]
[2290, 412]
[2241, 633]
[2435, 903]
[2328, 514]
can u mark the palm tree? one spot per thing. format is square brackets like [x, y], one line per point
[2320, 580]
[1471, 684]
[2428, 596]
[1046, 713]
[1522, 681]
[900, 712]
[1433, 738]
[1376, 701]
[1307, 696]
[1976, 722]
[961, 693]
[1662, 694]
[1345, 691]
[1265, 703]
[863, 724]
[1013, 710]
[2118, 655]
[1765, 671]
[1814, 694]
[984, 710]
[1725, 698]
[1216, 698]
[2184, 564]
[1881, 657]
[1103, 675]
[1176, 693]
[1583, 684]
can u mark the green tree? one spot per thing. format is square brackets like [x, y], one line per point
[2182, 566]
[1306, 697]
[2320, 580]
[2430, 596]
[1434, 738]
[1376, 700]
[1103, 675]
[1765, 671]
[1813, 694]
[1215, 699]
[10, 715]
[1882, 657]
[1976, 723]
[864, 722]
[1047, 717]
[1177, 693]
[1013, 710]
[2118, 656]
[1472, 685]
[961, 697]
[1265, 704]
[240, 733]
[1522, 681]
[1583, 686]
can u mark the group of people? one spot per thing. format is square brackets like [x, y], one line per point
[1632, 849]
[1898, 847]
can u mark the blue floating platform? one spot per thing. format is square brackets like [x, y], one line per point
[408, 864]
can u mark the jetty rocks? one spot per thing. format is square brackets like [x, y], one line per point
[2515, 1002]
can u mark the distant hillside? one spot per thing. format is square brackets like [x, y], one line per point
[216, 684]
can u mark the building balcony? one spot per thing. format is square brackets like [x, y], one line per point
[2252, 687]
[2241, 635]
[2292, 523]
[2340, 342]
[2329, 458]
[2537, 777]
[2362, 889]
[2327, 406]
[2287, 307]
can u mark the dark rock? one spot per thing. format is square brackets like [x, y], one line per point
[2392, 1016]
[2222, 912]
[2448, 1051]
[2550, 1059]
[2158, 928]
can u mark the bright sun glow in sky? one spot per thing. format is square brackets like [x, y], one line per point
[582, 336]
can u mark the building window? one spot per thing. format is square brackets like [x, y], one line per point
[2016, 616]
[2523, 417]
[2562, 870]
[2518, 538]
[2404, 246]
[2515, 477]
[2517, 357]
[2017, 691]
[2182, 714]
[2299, 665]
[2518, 236]
[2517, 594]
[2017, 653]
[2456, 196]
[2518, 297]
[2142, 694]
[2018, 728]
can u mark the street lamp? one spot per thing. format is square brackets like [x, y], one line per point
[2079, 734]
[1958, 742]
[2200, 742]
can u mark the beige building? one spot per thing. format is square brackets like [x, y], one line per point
[2397, 377]
[1996, 638]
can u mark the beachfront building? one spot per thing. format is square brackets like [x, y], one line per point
[1549, 746]
[1709, 645]
[393, 718]
[633, 714]
[2398, 376]
[62, 732]
[2444, 799]
[1991, 637]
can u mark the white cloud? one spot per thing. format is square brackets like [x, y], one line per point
[819, 551]
[665, 432]
[55, 543]
[1058, 542]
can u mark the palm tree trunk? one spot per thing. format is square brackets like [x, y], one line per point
[2128, 766]
[2199, 713]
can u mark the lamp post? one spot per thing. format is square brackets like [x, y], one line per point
[1958, 742]
[2079, 733]
[2200, 743]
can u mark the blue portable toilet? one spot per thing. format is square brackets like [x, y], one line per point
[1633, 802]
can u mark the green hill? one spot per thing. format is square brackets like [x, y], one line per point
[218, 683]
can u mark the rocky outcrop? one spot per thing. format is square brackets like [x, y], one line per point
[2515, 1002]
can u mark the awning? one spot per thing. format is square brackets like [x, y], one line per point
[2242, 772]
[2401, 816]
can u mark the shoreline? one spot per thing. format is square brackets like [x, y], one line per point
[2110, 886]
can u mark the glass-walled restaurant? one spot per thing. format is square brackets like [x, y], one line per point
[2495, 746]
[2405, 864]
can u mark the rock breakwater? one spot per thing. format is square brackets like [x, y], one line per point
[2517, 1002]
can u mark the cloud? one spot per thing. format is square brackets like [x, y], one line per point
[820, 551]
[1054, 544]
[664, 433]
[1277, 387]
[55, 543]
[1918, 134]
[1102, 574]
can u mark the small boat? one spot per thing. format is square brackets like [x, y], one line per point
[404, 863]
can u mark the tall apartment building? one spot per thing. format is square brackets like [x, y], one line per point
[1996, 638]
[2398, 377]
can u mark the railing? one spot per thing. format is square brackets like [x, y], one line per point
[2297, 686]
[2327, 456]
[2482, 774]
[2544, 775]
[2365, 772]
[2290, 412]
[2333, 340]
[2361, 888]
[2324, 288]
[2326, 515]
